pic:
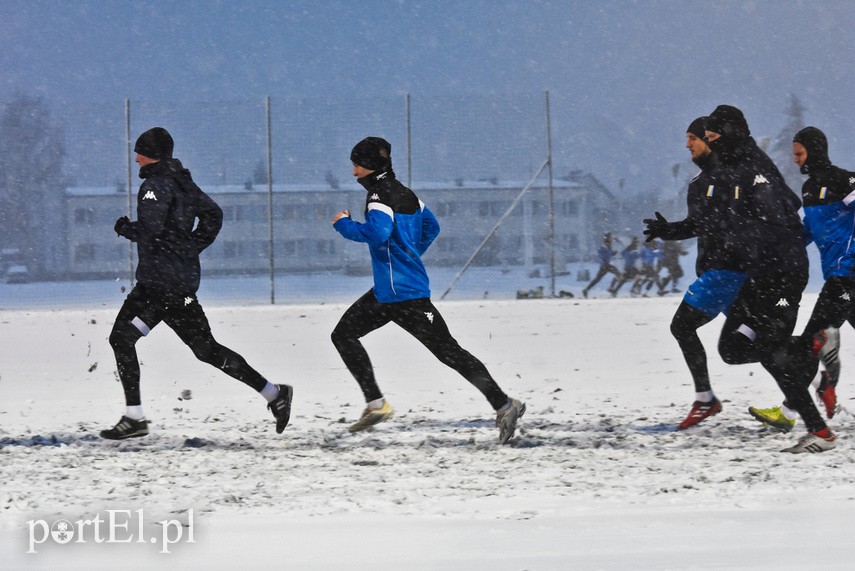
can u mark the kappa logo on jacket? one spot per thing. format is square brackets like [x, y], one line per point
[374, 196]
[149, 196]
[782, 303]
[845, 296]
[760, 179]
[188, 301]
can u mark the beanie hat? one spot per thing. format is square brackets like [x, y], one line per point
[372, 153]
[697, 127]
[728, 121]
[155, 143]
[816, 144]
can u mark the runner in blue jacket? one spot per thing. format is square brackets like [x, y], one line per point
[829, 221]
[398, 229]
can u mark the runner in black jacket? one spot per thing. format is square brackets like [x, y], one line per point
[763, 231]
[168, 205]
[719, 277]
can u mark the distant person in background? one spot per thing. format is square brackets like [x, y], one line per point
[829, 221]
[671, 252]
[398, 229]
[719, 275]
[169, 241]
[648, 275]
[605, 253]
[630, 256]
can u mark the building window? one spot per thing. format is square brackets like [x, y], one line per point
[84, 216]
[569, 208]
[230, 249]
[291, 212]
[288, 247]
[444, 208]
[325, 247]
[84, 253]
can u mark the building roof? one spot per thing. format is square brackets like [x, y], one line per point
[349, 186]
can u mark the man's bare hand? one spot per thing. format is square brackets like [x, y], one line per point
[340, 215]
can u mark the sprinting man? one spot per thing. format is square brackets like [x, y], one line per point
[719, 277]
[169, 204]
[398, 229]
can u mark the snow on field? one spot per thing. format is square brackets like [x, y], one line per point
[596, 478]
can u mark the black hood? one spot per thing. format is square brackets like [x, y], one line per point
[734, 136]
[816, 144]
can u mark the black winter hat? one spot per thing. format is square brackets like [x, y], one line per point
[156, 143]
[372, 153]
[728, 121]
[697, 127]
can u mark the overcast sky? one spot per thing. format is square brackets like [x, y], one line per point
[647, 66]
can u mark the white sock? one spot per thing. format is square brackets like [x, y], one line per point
[505, 406]
[270, 391]
[789, 413]
[376, 404]
[135, 412]
[706, 396]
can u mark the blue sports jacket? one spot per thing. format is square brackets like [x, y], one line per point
[398, 229]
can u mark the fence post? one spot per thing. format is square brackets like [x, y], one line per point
[270, 241]
[128, 151]
[551, 198]
[409, 145]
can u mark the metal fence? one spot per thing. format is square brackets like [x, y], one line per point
[477, 148]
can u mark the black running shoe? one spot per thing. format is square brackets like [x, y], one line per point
[281, 407]
[126, 428]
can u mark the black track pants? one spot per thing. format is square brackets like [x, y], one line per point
[419, 318]
[684, 327]
[143, 310]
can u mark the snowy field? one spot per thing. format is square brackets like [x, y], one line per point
[596, 478]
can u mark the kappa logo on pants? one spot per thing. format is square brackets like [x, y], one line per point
[429, 315]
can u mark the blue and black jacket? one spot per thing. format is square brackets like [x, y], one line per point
[398, 229]
[829, 219]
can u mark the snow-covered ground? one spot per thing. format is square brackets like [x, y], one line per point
[596, 478]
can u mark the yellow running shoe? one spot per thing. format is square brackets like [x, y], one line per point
[772, 417]
[371, 417]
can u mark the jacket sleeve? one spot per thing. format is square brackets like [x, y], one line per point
[210, 222]
[376, 229]
[430, 229]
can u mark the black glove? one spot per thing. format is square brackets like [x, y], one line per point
[655, 227]
[122, 226]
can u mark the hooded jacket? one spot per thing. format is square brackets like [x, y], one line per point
[761, 229]
[829, 206]
[398, 229]
[168, 206]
